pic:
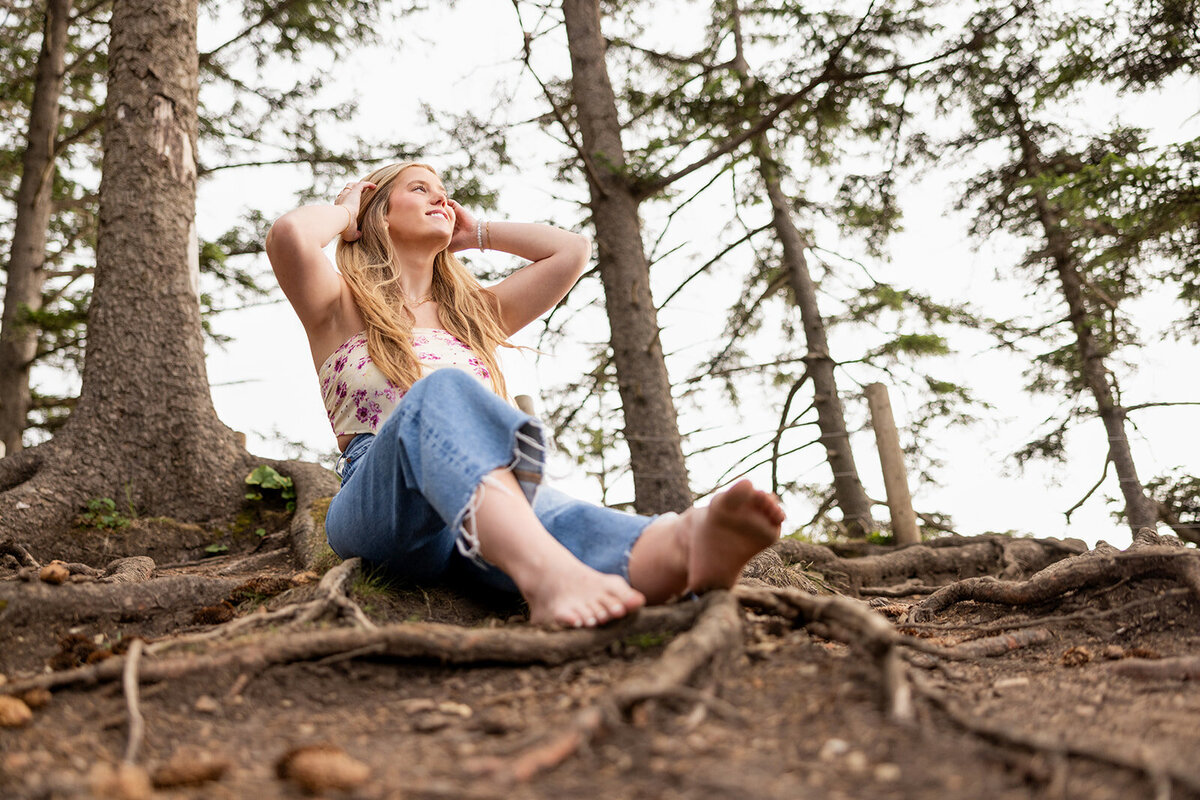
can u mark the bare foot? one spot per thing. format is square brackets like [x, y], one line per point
[736, 525]
[577, 596]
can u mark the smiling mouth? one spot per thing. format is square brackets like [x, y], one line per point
[441, 214]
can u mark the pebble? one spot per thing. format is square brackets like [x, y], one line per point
[206, 704]
[122, 782]
[190, 769]
[37, 698]
[833, 748]
[856, 761]
[887, 772]
[320, 768]
[13, 712]
[54, 573]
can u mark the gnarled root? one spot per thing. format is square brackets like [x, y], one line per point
[1097, 568]
[952, 559]
[713, 640]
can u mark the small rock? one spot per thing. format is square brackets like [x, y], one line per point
[190, 769]
[1112, 652]
[13, 712]
[206, 704]
[55, 573]
[22, 505]
[887, 772]
[122, 782]
[833, 748]
[322, 767]
[431, 723]
[417, 705]
[1005, 684]
[1084, 710]
[856, 761]
[37, 698]
[457, 709]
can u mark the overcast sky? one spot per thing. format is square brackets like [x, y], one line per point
[265, 385]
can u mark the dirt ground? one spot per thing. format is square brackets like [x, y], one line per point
[1102, 704]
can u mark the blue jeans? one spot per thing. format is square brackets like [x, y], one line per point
[408, 491]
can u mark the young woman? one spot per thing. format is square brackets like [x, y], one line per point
[439, 472]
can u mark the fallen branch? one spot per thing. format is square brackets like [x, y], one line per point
[1078, 573]
[448, 644]
[137, 723]
[1134, 756]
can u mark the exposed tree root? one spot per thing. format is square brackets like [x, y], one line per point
[314, 486]
[137, 723]
[713, 640]
[73, 603]
[1004, 643]
[1082, 615]
[332, 599]
[999, 555]
[852, 622]
[1181, 668]
[20, 553]
[20, 466]
[1093, 569]
[447, 644]
[1135, 757]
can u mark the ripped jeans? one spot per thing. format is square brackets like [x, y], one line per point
[409, 490]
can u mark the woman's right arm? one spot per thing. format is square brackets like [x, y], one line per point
[295, 246]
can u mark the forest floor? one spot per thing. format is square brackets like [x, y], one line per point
[806, 681]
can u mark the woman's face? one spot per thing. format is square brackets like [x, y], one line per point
[419, 209]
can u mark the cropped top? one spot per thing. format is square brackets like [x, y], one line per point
[358, 398]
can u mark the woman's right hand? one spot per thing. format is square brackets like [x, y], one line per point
[349, 198]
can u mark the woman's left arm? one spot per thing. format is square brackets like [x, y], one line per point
[559, 257]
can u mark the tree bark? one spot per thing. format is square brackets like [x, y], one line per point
[26, 274]
[144, 430]
[831, 418]
[651, 427]
[1140, 511]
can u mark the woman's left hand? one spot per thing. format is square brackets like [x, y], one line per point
[464, 235]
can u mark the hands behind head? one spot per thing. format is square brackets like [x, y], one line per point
[350, 197]
[464, 236]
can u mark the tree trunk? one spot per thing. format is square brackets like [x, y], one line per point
[1140, 511]
[26, 274]
[144, 431]
[831, 419]
[651, 428]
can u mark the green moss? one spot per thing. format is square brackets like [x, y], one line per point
[646, 641]
[325, 560]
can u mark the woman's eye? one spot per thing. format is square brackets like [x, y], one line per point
[420, 188]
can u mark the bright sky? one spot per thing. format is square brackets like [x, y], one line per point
[265, 385]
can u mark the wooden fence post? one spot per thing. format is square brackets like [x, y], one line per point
[891, 458]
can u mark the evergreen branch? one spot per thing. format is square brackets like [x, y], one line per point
[559, 117]
[1141, 406]
[1090, 491]
[705, 266]
[828, 74]
[341, 161]
[267, 16]
[787, 406]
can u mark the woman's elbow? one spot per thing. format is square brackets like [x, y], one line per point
[581, 251]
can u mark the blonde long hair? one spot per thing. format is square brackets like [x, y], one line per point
[465, 307]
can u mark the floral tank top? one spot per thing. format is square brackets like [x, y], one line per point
[358, 398]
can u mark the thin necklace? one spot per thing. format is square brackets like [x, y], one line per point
[408, 301]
